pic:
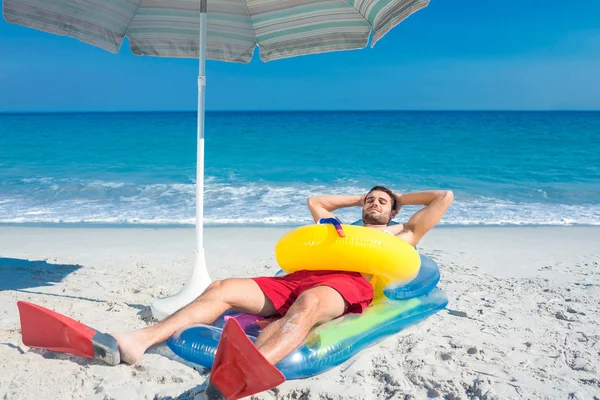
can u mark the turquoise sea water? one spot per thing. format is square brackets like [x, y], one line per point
[139, 168]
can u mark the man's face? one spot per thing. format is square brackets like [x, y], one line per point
[377, 209]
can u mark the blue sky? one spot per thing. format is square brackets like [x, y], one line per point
[460, 54]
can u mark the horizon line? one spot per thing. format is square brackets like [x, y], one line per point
[24, 112]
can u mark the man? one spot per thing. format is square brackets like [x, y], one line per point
[305, 298]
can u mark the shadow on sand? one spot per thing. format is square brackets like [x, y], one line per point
[22, 274]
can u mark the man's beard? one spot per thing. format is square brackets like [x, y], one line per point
[375, 219]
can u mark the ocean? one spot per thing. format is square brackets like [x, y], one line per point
[505, 168]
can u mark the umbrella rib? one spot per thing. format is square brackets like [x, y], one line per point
[359, 13]
[251, 24]
[133, 17]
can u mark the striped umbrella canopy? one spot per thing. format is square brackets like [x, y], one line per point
[170, 28]
[224, 30]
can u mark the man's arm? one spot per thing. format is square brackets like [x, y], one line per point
[323, 206]
[436, 203]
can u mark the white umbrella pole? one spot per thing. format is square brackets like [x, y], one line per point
[199, 279]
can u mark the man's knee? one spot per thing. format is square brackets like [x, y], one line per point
[319, 307]
[217, 290]
[308, 304]
[214, 286]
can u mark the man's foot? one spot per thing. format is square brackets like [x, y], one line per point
[130, 347]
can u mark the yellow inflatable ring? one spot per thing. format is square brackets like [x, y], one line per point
[365, 250]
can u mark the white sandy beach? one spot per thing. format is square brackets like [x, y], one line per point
[522, 322]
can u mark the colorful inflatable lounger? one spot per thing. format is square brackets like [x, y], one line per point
[336, 341]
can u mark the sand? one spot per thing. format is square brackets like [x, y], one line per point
[522, 321]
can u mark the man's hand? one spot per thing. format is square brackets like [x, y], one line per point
[398, 197]
[361, 200]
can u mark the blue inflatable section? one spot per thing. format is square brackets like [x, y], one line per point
[337, 341]
[427, 278]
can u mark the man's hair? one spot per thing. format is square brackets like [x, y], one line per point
[386, 190]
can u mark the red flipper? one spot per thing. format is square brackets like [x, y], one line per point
[239, 369]
[46, 329]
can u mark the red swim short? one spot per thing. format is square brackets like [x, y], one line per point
[284, 290]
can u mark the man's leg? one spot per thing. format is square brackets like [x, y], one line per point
[242, 295]
[315, 306]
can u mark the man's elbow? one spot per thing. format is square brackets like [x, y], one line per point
[448, 196]
[314, 203]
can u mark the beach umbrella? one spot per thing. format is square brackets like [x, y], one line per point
[224, 30]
